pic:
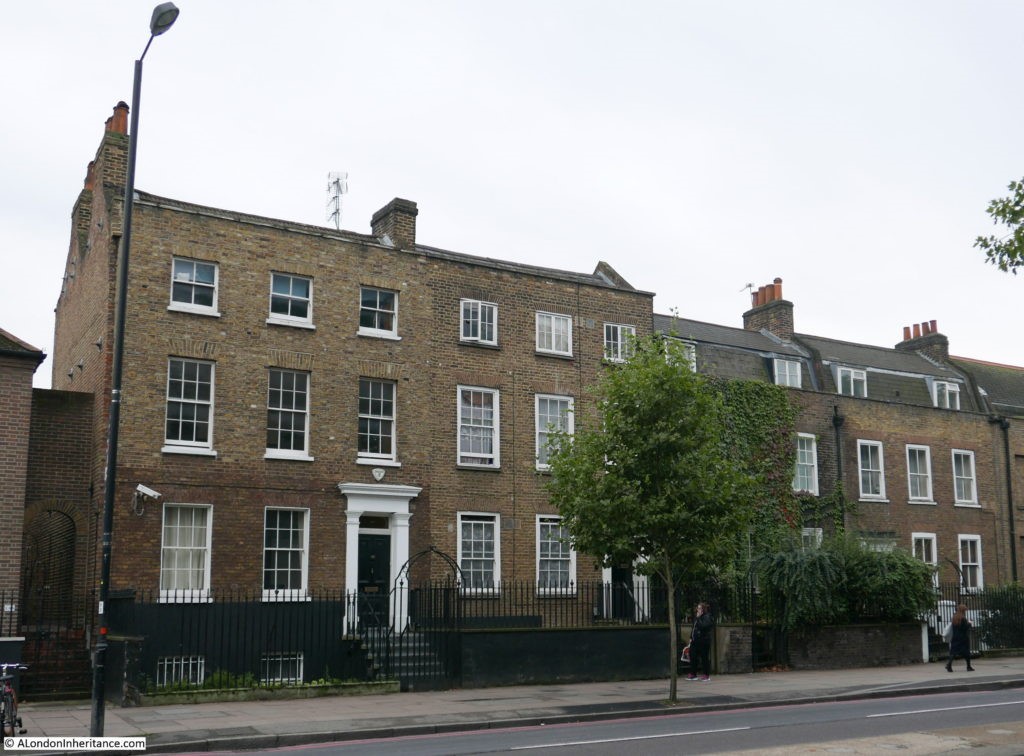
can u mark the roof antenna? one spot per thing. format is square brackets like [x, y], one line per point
[337, 185]
[748, 287]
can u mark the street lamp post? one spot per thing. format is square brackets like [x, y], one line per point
[164, 16]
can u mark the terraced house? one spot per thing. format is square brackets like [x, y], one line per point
[924, 455]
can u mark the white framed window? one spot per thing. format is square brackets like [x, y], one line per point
[788, 373]
[556, 559]
[177, 670]
[810, 538]
[925, 548]
[554, 334]
[617, 347]
[376, 434]
[871, 467]
[965, 491]
[881, 542]
[285, 554]
[919, 472]
[188, 426]
[971, 578]
[479, 551]
[686, 350]
[194, 286]
[291, 300]
[479, 321]
[288, 415]
[947, 395]
[553, 414]
[283, 668]
[806, 477]
[185, 552]
[479, 431]
[378, 312]
[853, 382]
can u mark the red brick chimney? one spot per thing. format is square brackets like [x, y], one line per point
[397, 221]
[769, 311]
[924, 337]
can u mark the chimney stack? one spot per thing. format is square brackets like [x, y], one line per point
[924, 337]
[396, 221]
[769, 311]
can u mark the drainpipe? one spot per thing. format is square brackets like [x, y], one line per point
[837, 423]
[1004, 425]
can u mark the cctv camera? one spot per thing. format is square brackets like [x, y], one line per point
[145, 491]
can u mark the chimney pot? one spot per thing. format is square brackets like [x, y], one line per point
[777, 289]
[917, 330]
[906, 333]
[925, 328]
[934, 326]
[119, 121]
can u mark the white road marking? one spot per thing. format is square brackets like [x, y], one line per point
[948, 708]
[623, 740]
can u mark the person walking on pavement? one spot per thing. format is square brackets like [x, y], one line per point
[700, 644]
[960, 643]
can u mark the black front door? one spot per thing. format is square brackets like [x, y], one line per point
[623, 600]
[374, 579]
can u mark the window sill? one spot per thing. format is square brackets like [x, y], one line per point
[293, 456]
[873, 500]
[926, 502]
[967, 504]
[482, 468]
[378, 462]
[291, 323]
[387, 335]
[208, 311]
[556, 355]
[481, 344]
[282, 596]
[194, 451]
[807, 491]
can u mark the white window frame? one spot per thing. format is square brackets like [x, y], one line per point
[278, 659]
[810, 538]
[478, 322]
[617, 341]
[276, 453]
[183, 271]
[977, 582]
[180, 445]
[194, 594]
[287, 594]
[367, 413]
[565, 424]
[483, 518]
[175, 670]
[689, 350]
[880, 471]
[548, 335]
[915, 452]
[856, 377]
[946, 395]
[476, 458]
[565, 558]
[806, 459]
[918, 547]
[959, 500]
[375, 331]
[788, 373]
[287, 319]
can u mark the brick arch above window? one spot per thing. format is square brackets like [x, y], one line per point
[291, 360]
[203, 350]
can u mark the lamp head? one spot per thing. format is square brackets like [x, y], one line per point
[164, 16]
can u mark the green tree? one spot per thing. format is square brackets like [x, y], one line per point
[651, 482]
[1007, 251]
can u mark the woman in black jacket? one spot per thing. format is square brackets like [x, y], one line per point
[700, 644]
[960, 643]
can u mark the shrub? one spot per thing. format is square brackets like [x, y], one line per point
[1003, 624]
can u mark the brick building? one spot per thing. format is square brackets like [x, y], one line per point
[908, 435]
[314, 407]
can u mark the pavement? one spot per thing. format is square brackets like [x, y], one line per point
[187, 728]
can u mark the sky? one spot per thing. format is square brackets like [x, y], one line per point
[850, 149]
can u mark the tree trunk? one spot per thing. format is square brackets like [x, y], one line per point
[673, 644]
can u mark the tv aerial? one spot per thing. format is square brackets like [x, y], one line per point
[337, 185]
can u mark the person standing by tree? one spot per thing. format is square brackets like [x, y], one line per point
[960, 643]
[700, 644]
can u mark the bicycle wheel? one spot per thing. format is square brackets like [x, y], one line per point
[7, 714]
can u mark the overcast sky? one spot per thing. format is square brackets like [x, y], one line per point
[849, 148]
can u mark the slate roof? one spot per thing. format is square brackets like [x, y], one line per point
[10, 343]
[1002, 384]
[881, 358]
[710, 333]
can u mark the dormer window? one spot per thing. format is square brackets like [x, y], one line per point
[787, 373]
[947, 395]
[853, 382]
